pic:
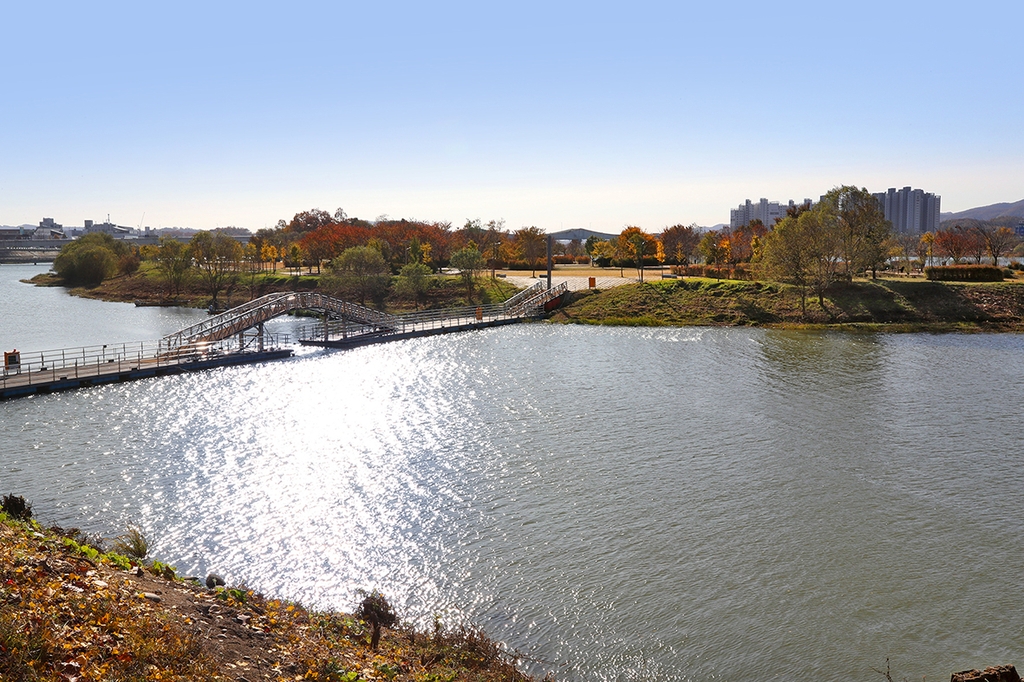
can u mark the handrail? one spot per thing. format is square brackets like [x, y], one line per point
[91, 361]
[531, 305]
[529, 292]
[264, 308]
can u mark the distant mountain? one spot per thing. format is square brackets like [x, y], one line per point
[987, 212]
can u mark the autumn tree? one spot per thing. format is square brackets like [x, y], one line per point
[636, 245]
[216, 255]
[320, 245]
[531, 243]
[680, 243]
[975, 242]
[907, 248]
[307, 221]
[952, 243]
[926, 248]
[601, 252]
[743, 241]
[998, 240]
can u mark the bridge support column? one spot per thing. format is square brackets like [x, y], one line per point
[259, 329]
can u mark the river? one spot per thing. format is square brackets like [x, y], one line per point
[615, 503]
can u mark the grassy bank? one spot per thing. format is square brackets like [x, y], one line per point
[146, 286]
[893, 304]
[69, 611]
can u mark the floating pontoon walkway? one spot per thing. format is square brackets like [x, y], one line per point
[238, 337]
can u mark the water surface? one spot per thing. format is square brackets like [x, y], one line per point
[690, 504]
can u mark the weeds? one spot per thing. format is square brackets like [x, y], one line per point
[132, 544]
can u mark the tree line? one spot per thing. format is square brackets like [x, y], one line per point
[811, 247]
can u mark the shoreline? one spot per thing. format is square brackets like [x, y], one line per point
[69, 609]
[895, 305]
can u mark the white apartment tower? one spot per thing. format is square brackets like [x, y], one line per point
[768, 212]
[911, 211]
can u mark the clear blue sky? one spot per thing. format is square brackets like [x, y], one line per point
[547, 114]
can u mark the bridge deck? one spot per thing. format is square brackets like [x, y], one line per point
[64, 378]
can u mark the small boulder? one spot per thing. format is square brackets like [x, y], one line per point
[213, 580]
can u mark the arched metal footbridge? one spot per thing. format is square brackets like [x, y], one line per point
[238, 336]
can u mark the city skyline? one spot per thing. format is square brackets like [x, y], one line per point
[566, 115]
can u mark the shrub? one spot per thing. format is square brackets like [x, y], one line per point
[964, 273]
[376, 611]
[16, 507]
[91, 259]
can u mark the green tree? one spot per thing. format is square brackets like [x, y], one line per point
[216, 256]
[252, 260]
[174, 263]
[469, 261]
[413, 281]
[711, 248]
[90, 260]
[859, 221]
[804, 250]
[360, 271]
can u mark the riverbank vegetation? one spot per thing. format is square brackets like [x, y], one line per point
[69, 610]
[414, 288]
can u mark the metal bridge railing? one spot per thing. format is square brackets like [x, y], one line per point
[259, 310]
[533, 304]
[93, 361]
[524, 295]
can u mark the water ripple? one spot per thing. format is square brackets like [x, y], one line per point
[615, 503]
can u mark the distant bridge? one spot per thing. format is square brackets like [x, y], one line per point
[238, 336]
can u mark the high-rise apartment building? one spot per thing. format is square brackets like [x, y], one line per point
[911, 211]
[766, 211]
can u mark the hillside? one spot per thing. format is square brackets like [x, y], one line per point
[894, 304]
[987, 212]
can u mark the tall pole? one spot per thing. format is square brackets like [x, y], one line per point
[551, 242]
